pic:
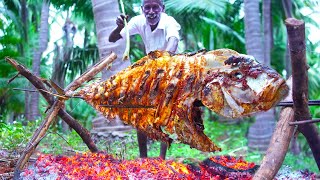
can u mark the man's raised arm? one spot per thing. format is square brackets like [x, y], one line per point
[115, 34]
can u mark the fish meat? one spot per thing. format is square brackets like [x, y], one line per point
[162, 94]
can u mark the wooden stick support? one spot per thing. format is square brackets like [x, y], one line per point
[279, 143]
[278, 146]
[297, 48]
[39, 85]
[90, 73]
[56, 108]
[38, 135]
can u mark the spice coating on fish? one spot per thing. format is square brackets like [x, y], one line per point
[160, 94]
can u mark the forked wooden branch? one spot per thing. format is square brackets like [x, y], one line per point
[56, 108]
[297, 47]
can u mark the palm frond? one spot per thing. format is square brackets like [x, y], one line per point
[13, 18]
[224, 28]
[188, 6]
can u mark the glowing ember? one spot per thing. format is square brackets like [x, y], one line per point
[228, 167]
[104, 166]
[232, 162]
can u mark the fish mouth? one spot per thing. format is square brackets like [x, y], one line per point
[281, 93]
[276, 91]
[197, 115]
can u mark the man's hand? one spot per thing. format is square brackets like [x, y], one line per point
[115, 34]
[120, 20]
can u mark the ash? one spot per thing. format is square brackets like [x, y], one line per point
[286, 173]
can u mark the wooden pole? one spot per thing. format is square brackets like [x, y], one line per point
[297, 48]
[38, 135]
[278, 146]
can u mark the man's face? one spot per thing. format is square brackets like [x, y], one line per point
[152, 10]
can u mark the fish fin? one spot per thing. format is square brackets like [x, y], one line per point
[156, 134]
[189, 127]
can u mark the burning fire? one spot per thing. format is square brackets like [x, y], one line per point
[103, 166]
[232, 162]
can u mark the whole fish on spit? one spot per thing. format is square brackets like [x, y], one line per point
[161, 93]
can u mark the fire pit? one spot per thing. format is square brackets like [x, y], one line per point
[104, 166]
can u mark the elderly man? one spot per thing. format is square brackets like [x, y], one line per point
[159, 32]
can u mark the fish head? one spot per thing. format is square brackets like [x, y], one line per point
[241, 86]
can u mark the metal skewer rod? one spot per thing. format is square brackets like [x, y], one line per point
[290, 103]
[304, 122]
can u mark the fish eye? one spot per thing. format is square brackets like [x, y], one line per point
[238, 75]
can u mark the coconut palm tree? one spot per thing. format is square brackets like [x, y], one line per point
[253, 29]
[105, 13]
[38, 51]
[260, 131]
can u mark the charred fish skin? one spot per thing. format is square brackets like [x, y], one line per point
[159, 93]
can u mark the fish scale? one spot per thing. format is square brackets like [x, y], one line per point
[160, 94]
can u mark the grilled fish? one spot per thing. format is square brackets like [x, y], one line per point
[161, 93]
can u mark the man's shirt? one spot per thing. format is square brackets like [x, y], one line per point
[158, 38]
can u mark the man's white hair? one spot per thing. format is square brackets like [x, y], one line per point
[161, 1]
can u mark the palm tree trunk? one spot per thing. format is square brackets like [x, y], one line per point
[260, 131]
[253, 29]
[24, 20]
[105, 14]
[43, 42]
[267, 27]
[287, 7]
